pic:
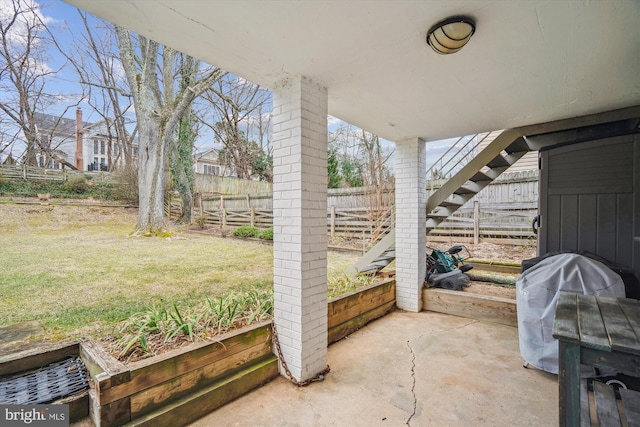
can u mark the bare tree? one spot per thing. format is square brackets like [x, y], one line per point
[97, 64]
[376, 176]
[357, 158]
[24, 73]
[159, 106]
[241, 124]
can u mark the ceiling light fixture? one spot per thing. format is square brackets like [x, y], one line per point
[450, 35]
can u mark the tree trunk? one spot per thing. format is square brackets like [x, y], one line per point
[151, 176]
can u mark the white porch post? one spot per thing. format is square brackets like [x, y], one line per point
[300, 225]
[411, 204]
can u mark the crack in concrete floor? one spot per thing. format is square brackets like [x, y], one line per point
[413, 363]
[413, 386]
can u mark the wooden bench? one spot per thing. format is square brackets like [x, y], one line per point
[608, 411]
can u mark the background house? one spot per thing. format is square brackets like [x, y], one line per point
[65, 142]
[208, 163]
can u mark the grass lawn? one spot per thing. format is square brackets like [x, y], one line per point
[77, 271]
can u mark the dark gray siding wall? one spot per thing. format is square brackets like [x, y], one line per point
[587, 199]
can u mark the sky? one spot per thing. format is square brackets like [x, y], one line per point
[64, 22]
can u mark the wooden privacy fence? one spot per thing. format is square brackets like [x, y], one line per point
[506, 209]
[42, 174]
[352, 222]
[493, 222]
[509, 223]
[236, 218]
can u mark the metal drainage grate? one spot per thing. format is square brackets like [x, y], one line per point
[52, 382]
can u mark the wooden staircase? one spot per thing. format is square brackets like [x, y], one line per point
[469, 175]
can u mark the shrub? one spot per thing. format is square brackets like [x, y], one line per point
[201, 220]
[76, 185]
[126, 188]
[246, 231]
[266, 234]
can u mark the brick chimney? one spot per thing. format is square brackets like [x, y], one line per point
[79, 156]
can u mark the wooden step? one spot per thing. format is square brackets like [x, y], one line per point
[498, 161]
[437, 217]
[497, 171]
[481, 177]
[471, 187]
[519, 145]
[443, 210]
[448, 204]
[457, 199]
[515, 156]
[464, 190]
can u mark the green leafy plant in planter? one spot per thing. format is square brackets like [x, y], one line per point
[342, 285]
[146, 334]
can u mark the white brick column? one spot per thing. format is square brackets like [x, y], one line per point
[300, 225]
[411, 205]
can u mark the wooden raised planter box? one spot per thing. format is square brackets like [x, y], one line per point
[179, 386]
[473, 306]
[350, 312]
[182, 385]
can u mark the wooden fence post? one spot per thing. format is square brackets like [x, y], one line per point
[199, 202]
[476, 222]
[333, 221]
[253, 216]
[223, 212]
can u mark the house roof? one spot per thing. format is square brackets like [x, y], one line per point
[47, 123]
[210, 154]
[59, 125]
[528, 62]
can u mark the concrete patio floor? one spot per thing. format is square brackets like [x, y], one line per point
[416, 369]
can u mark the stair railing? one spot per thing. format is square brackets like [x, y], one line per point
[463, 150]
[386, 222]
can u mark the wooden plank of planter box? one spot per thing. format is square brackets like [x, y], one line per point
[78, 405]
[154, 397]
[149, 372]
[36, 355]
[108, 415]
[194, 406]
[473, 306]
[97, 361]
[353, 304]
[340, 331]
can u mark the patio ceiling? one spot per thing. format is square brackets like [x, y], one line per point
[528, 62]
